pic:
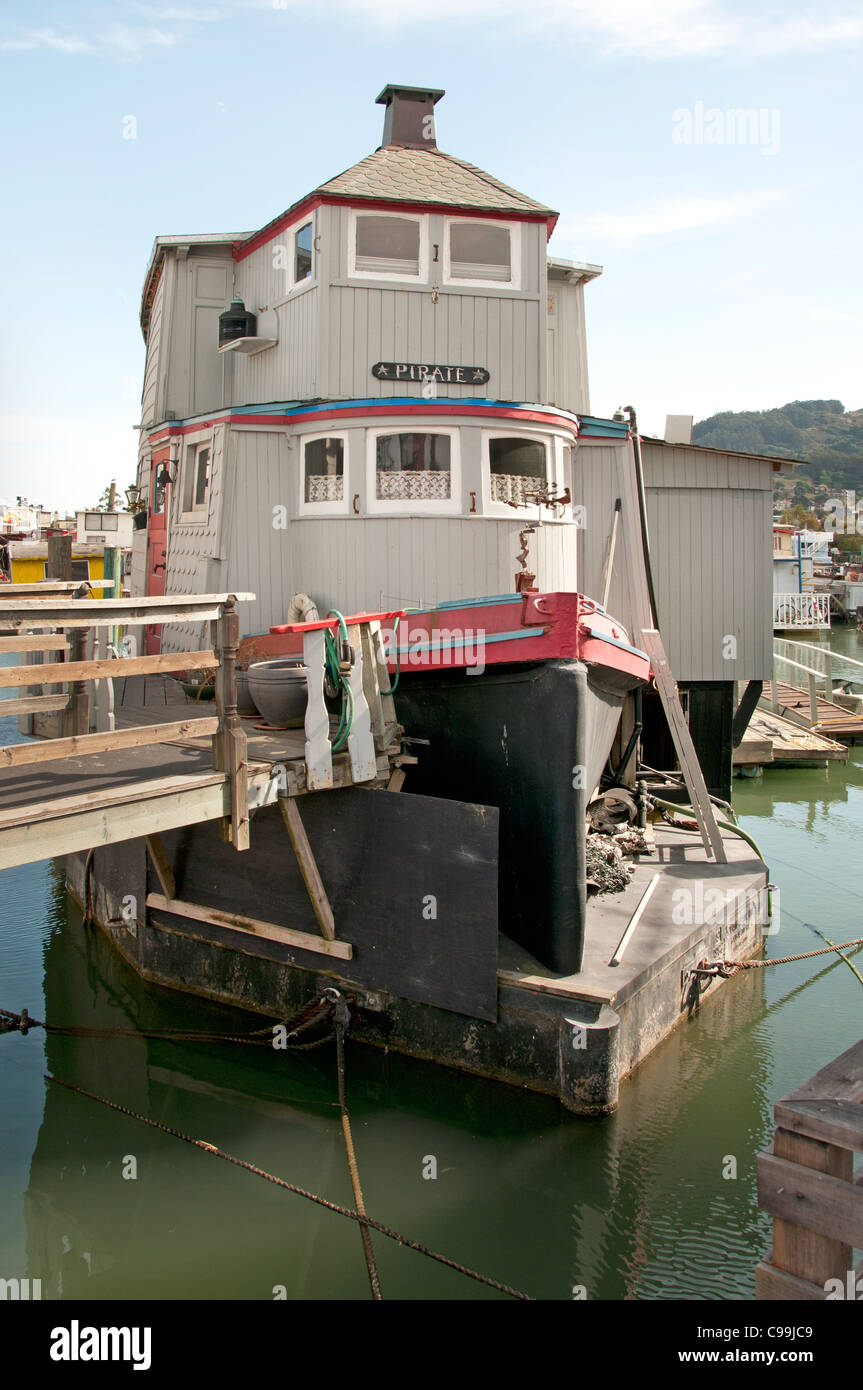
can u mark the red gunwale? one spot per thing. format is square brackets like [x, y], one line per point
[555, 626]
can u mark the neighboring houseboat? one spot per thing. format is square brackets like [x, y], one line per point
[378, 404]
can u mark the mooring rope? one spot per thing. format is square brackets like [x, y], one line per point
[363, 1220]
[727, 968]
[307, 1018]
[342, 1019]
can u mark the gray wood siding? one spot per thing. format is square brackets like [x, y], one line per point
[500, 329]
[365, 562]
[568, 385]
[198, 288]
[153, 365]
[710, 526]
[195, 553]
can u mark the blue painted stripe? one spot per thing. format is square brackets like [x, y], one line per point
[471, 603]
[479, 640]
[616, 642]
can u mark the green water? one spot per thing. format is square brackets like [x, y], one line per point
[632, 1206]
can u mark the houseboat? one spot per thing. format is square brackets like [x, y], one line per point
[372, 416]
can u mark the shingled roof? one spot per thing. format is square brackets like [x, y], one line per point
[400, 173]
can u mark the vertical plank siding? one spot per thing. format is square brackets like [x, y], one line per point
[709, 522]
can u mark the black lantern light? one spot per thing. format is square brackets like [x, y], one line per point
[236, 322]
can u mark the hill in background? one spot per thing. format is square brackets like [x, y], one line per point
[822, 433]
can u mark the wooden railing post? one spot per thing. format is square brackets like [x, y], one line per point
[229, 744]
[79, 704]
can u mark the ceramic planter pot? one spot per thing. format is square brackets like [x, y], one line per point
[279, 690]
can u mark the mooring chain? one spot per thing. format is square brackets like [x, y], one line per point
[363, 1220]
[342, 1021]
[309, 1017]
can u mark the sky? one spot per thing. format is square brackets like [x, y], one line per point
[730, 243]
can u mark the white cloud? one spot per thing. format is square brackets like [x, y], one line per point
[663, 29]
[577, 232]
[121, 39]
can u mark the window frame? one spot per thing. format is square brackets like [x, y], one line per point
[291, 283]
[414, 506]
[339, 508]
[420, 278]
[555, 470]
[197, 515]
[514, 229]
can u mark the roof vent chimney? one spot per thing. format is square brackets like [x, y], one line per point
[409, 118]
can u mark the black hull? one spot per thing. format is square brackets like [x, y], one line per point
[531, 740]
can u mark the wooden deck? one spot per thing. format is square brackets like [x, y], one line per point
[74, 803]
[794, 704]
[772, 741]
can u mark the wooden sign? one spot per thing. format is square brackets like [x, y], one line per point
[429, 371]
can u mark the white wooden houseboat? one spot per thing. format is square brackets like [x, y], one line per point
[377, 404]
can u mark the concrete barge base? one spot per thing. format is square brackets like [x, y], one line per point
[575, 1037]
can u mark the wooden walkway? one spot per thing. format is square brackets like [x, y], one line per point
[771, 741]
[169, 761]
[794, 703]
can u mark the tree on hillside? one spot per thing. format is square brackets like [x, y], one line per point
[798, 516]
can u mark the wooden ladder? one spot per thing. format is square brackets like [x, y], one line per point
[699, 798]
[651, 642]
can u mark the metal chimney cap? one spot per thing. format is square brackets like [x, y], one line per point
[395, 89]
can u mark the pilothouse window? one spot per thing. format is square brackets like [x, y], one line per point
[303, 253]
[479, 251]
[517, 467]
[325, 470]
[413, 466]
[387, 245]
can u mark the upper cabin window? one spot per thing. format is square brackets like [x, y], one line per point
[387, 246]
[482, 252]
[324, 470]
[517, 467]
[413, 466]
[303, 239]
[196, 477]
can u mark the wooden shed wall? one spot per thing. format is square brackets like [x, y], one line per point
[709, 519]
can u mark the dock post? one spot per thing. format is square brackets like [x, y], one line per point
[79, 703]
[813, 698]
[229, 744]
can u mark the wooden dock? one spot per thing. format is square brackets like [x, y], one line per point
[169, 761]
[772, 741]
[806, 1182]
[799, 706]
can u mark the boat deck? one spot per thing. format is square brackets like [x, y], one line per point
[675, 918]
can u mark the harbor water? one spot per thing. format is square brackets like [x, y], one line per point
[656, 1201]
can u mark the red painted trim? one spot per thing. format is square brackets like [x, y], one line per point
[242, 249]
[495, 412]
[171, 431]
[352, 412]
[301, 210]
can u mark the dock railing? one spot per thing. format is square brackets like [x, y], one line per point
[806, 610]
[806, 1182]
[821, 659]
[59, 625]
